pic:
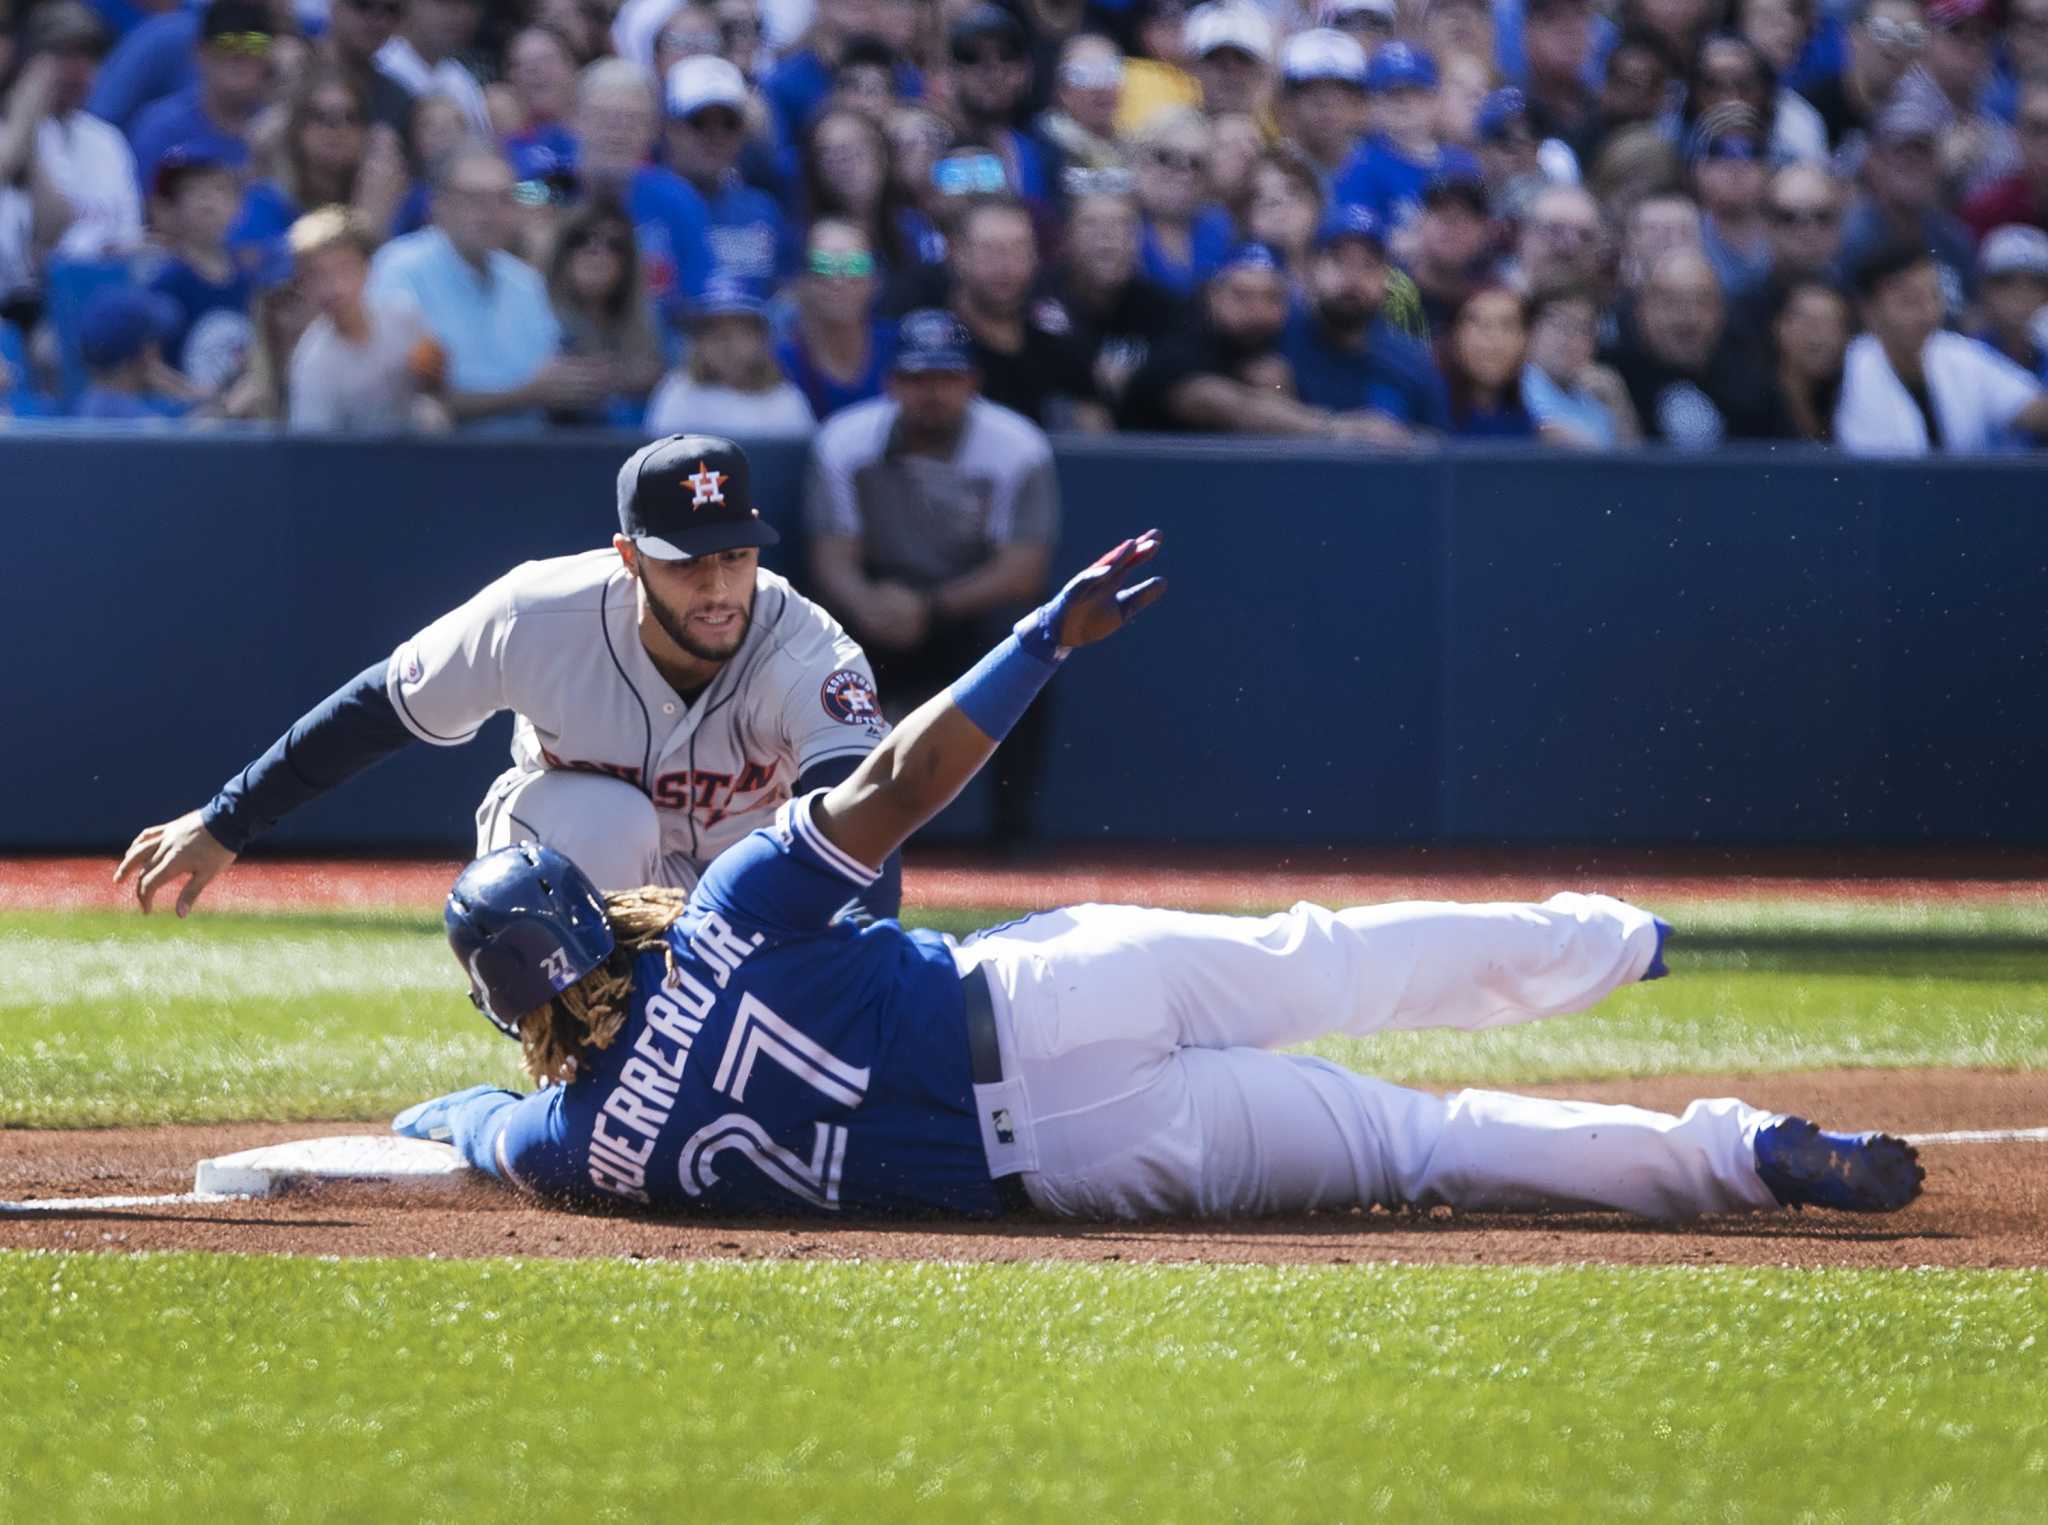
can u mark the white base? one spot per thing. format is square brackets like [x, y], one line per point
[360, 1159]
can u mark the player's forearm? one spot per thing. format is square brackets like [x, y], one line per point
[346, 732]
[914, 774]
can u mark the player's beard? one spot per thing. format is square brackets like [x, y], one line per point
[679, 631]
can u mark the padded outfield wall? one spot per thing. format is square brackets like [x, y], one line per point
[1495, 646]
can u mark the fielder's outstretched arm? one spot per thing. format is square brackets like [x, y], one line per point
[928, 759]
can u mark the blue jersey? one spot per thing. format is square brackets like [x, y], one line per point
[1389, 371]
[1383, 177]
[775, 1059]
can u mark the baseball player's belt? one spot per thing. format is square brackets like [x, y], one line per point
[985, 1064]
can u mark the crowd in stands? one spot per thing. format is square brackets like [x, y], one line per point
[1581, 223]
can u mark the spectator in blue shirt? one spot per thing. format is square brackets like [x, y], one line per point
[1346, 356]
[799, 85]
[838, 350]
[119, 335]
[212, 116]
[197, 198]
[1482, 359]
[1182, 241]
[1402, 154]
[488, 311]
[707, 128]
[540, 70]
[151, 62]
[616, 125]
[989, 66]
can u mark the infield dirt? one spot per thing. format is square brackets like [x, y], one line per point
[1986, 1204]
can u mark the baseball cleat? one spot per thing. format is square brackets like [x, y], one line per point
[1804, 1166]
[1657, 969]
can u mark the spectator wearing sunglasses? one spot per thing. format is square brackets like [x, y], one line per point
[797, 86]
[837, 350]
[2012, 286]
[990, 73]
[213, 117]
[607, 321]
[424, 56]
[2022, 196]
[1088, 85]
[1885, 39]
[1229, 45]
[322, 164]
[849, 173]
[1184, 236]
[730, 384]
[1403, 153]
[1803, 215]
[1322, 98]
[706, 131]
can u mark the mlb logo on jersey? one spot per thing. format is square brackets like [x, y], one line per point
[706, 486]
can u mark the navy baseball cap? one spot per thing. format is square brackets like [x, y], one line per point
[688, 496]
[726, 296]
[1349, 219]
[1397, 66]
[931, 339]
[119, 322]
[185, 160]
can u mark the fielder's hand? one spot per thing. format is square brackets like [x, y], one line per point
[1096, 603]
[180, 849]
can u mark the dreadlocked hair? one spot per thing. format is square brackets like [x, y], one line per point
[591, 1011]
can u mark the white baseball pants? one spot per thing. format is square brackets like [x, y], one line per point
[604, 826]
[1141, 1042]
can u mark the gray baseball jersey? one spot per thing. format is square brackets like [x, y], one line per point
[557, 642]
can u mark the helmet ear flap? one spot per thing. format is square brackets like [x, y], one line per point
[525, 924]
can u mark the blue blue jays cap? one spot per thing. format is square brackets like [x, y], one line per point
[119, 322]
[931, 339]
[1499, 112]
[689, 495]
[1348, 219]
[1252, 255]
[727, 296]
[1397, 66]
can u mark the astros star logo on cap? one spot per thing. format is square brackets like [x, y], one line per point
[706, 485]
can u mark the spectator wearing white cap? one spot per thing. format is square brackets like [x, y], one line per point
[706, 131]
[1402, 153]
[1088, 86]
[1230, 51]
[1322, 97]
[1911, 387]
[2012, 296]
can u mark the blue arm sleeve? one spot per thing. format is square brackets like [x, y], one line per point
[882, 900]
[343, 734]
[474, 1126]
[151, 62]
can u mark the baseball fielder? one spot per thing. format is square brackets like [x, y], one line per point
[740, 1049]
[669, 695]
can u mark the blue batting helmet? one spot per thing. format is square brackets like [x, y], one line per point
[525, 924]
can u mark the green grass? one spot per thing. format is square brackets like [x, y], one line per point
[224, 1388]
[112, 1018]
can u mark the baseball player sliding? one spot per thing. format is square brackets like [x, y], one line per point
[741, 1049]
[669, 695]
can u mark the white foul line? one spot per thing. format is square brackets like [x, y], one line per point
[93, 1204]
[1983, 1136]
